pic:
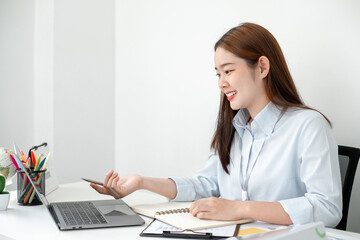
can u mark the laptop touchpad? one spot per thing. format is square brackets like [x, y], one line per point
[115, 210]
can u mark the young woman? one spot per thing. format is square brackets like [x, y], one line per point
[274, 159]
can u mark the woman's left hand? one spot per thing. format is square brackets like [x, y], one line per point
[217, 209]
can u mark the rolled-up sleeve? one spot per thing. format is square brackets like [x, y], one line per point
[319, 171]
[203, 184]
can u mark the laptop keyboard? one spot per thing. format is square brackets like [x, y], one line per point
[80, 213]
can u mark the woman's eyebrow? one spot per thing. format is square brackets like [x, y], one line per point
[223, 65]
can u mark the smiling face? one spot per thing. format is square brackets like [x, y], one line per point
[242, 84]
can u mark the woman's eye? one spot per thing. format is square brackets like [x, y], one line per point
[228, 71]
[218, 75]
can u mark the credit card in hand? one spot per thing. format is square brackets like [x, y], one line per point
[92, 181]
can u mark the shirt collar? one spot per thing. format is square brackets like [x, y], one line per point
[265, 120]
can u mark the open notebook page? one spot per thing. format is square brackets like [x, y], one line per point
[150, 210]
[180, 220]
[185, 221]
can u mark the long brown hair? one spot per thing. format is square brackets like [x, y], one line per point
[250, 41]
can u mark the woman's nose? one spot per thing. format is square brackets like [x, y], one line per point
[222, 83]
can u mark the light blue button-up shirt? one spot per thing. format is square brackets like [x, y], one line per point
[288, 157]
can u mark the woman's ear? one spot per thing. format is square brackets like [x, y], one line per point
[264, 66]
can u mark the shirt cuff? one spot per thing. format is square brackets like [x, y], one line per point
[299, 209]
[185, 190]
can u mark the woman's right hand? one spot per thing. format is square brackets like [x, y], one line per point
[118, 187]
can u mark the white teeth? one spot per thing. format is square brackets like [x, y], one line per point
[232, 93]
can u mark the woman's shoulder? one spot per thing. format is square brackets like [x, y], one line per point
[303, 115]
[303, 112]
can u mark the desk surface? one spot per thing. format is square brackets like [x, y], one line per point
[19, 222]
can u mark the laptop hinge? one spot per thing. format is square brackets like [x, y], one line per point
[53, 214]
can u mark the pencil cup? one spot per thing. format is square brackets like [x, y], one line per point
[25, 192]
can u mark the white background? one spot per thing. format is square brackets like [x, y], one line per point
[130, 84]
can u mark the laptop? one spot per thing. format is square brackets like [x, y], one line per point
[89, 214]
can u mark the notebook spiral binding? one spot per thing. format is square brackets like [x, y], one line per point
[180, 210]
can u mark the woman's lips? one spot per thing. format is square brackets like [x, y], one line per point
[231, 95]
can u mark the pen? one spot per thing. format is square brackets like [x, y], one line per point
[41, 164]
[37, 180]
[38, 184]
[14, 162]
[23, 154]
[37, 163]
[32, 196]
[27, 196]
[46, 161]
[18, 162]
[33, 160]
[25, 189]
[36, 168]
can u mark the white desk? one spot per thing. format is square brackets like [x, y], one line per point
[34, 222]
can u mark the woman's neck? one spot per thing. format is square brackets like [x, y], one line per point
[255, 110]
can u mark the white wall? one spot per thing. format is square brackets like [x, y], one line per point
[166, 94]
[83, 88]
[57, 82]
[166, 90]
[16, 73]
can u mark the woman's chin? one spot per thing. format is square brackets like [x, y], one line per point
[235, 106]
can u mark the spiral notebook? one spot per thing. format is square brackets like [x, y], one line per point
[177, 214]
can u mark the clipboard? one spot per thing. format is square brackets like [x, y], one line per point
[159, 229]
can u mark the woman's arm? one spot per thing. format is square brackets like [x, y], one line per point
[120, 187]
[223, 209]
[163, 186]
[271, 212]
[204, 184]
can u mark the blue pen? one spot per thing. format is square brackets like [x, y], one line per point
[19, 163]
[40, 166]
